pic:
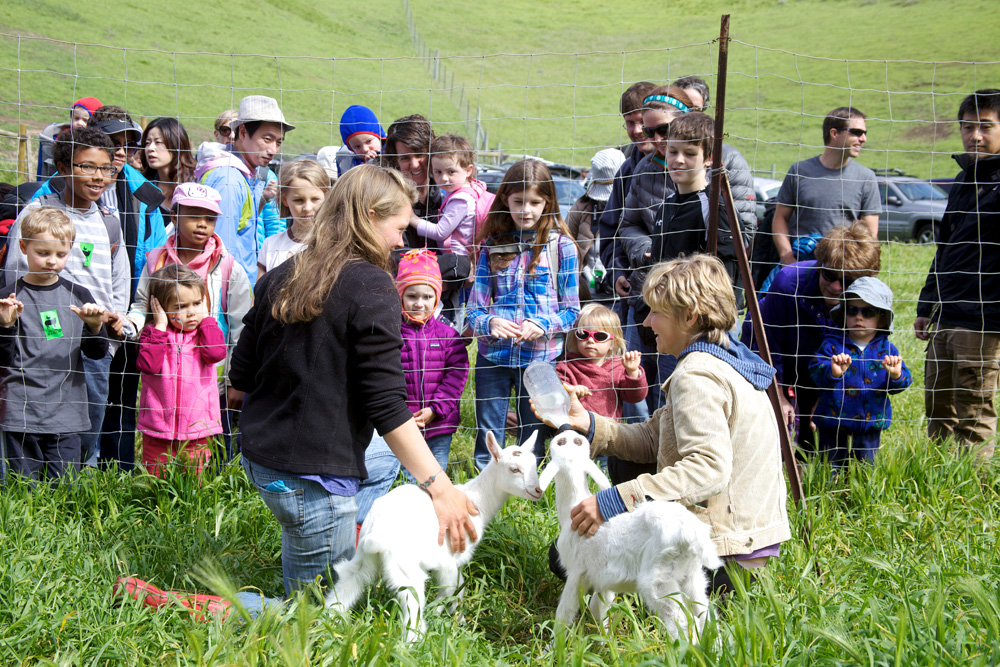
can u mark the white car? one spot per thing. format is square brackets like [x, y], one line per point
[764, 189]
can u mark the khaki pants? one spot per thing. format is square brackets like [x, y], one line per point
[961, 374]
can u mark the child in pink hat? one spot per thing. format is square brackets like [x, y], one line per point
[194, 244]
[435, 360]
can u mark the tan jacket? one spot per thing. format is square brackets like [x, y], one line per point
[715, 443]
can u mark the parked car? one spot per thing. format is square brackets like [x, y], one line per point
[944, 183]
[568, 190]
[491, 177]
[911, 209]
[764, 189]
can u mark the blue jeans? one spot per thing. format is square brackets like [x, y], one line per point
[440, 446]
[493, 387]
[317, 528]
[383, 467]
[650, 363]
[97, 372]
[117, 446]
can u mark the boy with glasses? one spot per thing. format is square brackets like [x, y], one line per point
[137, 204]
[823, 191]
[98, 260]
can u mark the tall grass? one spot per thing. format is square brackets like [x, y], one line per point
[907, 550]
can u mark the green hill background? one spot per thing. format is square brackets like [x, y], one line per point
[905, 64]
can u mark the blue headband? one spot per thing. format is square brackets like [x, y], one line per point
[683, 108]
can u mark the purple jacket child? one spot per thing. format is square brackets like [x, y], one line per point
[435, 361]
[436, 365]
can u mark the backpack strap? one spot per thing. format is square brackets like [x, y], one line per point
[227, 271]
[111, 222]
[552, 249]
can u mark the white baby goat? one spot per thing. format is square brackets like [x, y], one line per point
[658, 550]
[400, 534]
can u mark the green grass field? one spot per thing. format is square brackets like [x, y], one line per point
[904, 63]
[907, 549]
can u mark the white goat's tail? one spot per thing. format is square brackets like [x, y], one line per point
[353, 576]
[704, 548]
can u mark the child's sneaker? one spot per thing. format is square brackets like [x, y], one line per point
[151, 596]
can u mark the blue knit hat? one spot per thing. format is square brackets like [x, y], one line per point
[358, 119]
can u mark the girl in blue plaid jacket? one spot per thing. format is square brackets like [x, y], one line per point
[524, 299]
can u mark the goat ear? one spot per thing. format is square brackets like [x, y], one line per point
[597, 475]
[529, 444]
[493, 446]
[545, 478]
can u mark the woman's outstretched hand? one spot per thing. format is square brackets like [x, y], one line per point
[453, 509]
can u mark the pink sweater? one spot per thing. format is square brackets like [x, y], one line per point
[180, 397]
[611, 386]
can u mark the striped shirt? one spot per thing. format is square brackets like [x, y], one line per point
[515, 295]
[90, 263]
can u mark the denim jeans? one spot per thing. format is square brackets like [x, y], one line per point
[317, 528]
[440, 446]
[117, 444]
[493, 387]
[383, 467]
[97, 373]
[840, 445]
[650, 363]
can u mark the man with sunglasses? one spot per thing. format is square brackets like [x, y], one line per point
[959, 306]
[829, 189]
[137, 204]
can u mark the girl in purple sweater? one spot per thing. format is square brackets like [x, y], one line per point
[435, 361]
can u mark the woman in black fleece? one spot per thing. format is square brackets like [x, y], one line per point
[319, 360]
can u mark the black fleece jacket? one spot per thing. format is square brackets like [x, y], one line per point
[316, 389]
[963, 285]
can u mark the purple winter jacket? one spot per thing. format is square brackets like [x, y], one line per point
[435, 365]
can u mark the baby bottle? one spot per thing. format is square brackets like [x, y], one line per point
[546, 391]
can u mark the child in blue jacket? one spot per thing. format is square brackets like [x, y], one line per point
[856, 369]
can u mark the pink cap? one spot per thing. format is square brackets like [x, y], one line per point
[197, 195]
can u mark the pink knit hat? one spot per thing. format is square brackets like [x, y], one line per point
[419, 267]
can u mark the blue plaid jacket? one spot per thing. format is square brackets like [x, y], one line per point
[518, 296]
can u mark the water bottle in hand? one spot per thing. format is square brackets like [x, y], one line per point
[547, 393]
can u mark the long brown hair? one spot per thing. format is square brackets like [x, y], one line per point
[175, 137]
[344, 230]
[523, 176]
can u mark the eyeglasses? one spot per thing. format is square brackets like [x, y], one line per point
[598, 336]
[89, 169]
[661, 130]
[225, 130]
[864, 311]
[856, 131]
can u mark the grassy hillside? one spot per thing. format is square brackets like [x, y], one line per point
[559, 102]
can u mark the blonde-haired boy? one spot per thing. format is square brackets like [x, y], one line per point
[46, 324]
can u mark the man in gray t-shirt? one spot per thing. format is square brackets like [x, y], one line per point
[829, 189]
